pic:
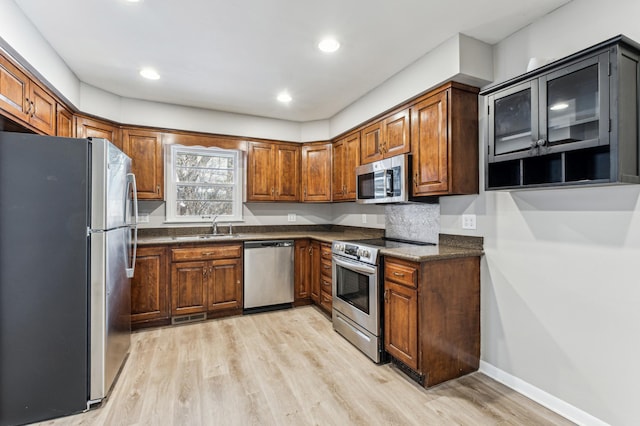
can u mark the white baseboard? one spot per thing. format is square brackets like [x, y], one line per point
[543, 398]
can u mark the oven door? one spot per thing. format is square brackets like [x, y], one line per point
[356, 292]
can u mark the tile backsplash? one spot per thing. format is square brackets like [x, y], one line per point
[419, 221]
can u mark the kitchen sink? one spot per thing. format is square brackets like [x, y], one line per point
[204, 237]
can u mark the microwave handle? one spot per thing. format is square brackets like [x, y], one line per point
[388, 183]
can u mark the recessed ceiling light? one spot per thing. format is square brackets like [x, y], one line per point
[329, 45]
[284, 97]
[149, 73]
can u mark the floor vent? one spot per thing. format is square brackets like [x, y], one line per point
[188, 318]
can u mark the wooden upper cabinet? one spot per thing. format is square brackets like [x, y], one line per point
[24, 100]
[287, 173]
[42, 114]
[14, 90]
[273, 172]
[91, 128]
[147, 161]
[65, 126]
[386, 138]
[316, 172]
[346, 157]
[444, 139]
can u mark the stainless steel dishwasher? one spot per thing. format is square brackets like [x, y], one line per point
[268, 275]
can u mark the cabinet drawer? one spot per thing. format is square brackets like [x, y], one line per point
[206, 252]
[325, 251]
[401, 273]
[325, 284]
[326, 301]
[325, 267]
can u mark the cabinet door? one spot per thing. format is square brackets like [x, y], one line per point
[302, 268]
[430, 145]
[349, 164]
[150, 285]
[225, 284]
[370, 141]
[64, 125]
[147, 162]
[90, 128]
[43, 110]
[287, 173]
[315, 271]
[338, 171]
[396, 134]
[513, 122]
[189, 287]
[574, 106]
[316, 173]
[401, 323]
[14, 90]
[260, 165]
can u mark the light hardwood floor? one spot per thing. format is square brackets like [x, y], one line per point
[288, 368]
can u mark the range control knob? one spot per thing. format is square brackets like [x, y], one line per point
[339, 247]
[366, 253]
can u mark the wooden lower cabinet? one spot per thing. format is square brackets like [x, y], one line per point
[206, 279]
[302, 271]
[315, 271]
[150, 287]
[432, 316]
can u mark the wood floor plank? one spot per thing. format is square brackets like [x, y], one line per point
[288, 368]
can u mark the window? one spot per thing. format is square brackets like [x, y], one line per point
[203, 182]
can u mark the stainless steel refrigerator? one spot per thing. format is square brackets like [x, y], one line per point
[68, 238]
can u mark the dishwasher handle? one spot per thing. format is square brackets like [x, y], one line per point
[270, 243]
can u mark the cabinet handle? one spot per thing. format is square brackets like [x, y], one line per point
[204, 272]
[208, 253]
[210, 270]
[398, 274]
[28, 106]
[326, 267]
[415, 179]
[273, 190]
[305, 192]
[386, 296]
[310, 252]
[158, 189]
[344, 189]
[32, 109]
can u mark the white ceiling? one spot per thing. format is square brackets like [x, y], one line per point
[238, 55]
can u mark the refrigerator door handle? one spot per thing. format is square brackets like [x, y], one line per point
[131, 180]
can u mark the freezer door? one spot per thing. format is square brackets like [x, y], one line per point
[110, 196]
[110, 308]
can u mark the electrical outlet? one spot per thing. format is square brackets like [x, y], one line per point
[143, 218]
[291, 217]
[468, 221]
[364, 218]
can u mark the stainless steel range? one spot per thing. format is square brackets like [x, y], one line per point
[357, 292]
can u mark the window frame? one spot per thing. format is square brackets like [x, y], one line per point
[171, 151]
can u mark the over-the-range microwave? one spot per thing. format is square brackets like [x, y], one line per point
[383, 181]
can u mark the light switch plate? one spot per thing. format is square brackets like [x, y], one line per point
[291, 217]
[468, 221]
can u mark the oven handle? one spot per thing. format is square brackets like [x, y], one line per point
[368, 270]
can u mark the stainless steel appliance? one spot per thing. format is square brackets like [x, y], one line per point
[383, 181]
[268, 275]
[67, 215]
[357, 292]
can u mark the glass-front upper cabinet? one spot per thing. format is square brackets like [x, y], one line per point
[563, 110]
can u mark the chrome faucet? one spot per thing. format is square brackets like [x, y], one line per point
[214, 225]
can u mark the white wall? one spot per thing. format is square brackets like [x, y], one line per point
[560, 278]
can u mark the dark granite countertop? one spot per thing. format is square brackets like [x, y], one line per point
[448, 247]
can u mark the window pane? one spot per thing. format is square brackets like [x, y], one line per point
[204, 161]
[203, 208]
[203, 175]
[196, 193]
